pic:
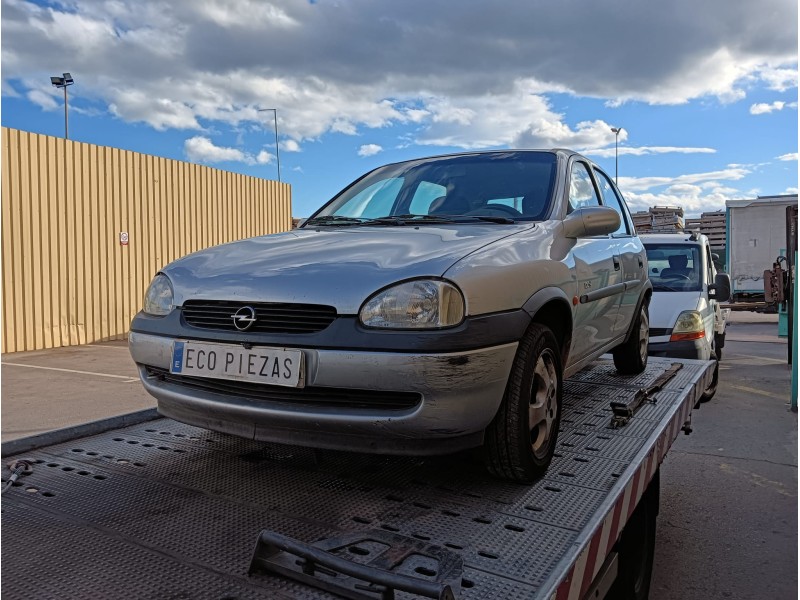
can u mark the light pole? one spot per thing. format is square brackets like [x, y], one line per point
[277, 149]
[616, 131]
[63, 82]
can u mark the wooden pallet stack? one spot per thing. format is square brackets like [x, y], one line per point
[666, 218]
[641, 221]
[714, 226]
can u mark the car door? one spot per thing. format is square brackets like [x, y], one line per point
[631, 253]
[597, 270]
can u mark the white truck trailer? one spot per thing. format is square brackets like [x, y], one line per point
[756, 235]
[145, 507]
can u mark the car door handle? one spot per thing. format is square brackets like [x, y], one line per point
[616, 263]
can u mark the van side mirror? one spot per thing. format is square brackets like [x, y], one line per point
[720, 290]
[591, 220]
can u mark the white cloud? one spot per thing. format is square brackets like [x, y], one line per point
[779, 79]
[792, 156]
[290, 146]
[695, 192]
[647, 183]
[202, 150]
[763, 108]
[644, 150]
[369, 149]
[161, 113]
[43, 99]
[263, 158]
[325, 65]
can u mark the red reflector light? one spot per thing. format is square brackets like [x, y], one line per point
[680, 337]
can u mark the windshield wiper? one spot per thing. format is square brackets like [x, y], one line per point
[336, 220]
[662, 288]
[487, 218]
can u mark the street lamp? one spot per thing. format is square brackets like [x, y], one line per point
[616, 131]
[277, 149]
[62, 82]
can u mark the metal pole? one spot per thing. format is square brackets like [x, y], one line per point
[66, 117]
[616, 158]
[277, 148]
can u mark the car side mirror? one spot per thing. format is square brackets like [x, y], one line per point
[590, 221]
[720, 290]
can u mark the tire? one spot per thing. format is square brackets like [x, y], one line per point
[630, 357]
[709, 392]
[636, 548]
[521, 439]
[719, 342]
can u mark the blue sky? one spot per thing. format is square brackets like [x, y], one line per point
[706, 93]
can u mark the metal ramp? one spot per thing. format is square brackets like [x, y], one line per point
[166, 510]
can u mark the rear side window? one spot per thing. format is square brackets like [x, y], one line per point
[610, 198]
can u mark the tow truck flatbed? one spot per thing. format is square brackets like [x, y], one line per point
[165, 510]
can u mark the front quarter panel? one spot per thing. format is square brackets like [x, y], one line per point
[504, 275]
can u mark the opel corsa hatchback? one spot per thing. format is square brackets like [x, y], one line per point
[433, 305]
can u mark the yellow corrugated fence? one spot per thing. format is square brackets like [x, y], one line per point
[67, 278]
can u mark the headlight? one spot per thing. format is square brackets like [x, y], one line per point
[420, 304]
[158, 299]
[689, 326]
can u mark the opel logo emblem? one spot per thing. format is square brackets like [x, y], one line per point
[244, 318]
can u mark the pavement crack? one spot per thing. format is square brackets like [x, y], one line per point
[729, 457]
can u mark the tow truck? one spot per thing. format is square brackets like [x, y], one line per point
[141, 506]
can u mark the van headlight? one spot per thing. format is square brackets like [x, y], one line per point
[689, 326]
[418, 304]
[158, 298]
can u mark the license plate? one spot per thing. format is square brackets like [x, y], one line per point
[273, 366]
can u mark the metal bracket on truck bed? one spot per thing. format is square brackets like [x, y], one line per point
[375, 569]
[624, 411]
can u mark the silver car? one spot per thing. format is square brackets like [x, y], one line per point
[433, 305]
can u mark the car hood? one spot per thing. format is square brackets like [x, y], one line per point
[334, 266]
[666, 306]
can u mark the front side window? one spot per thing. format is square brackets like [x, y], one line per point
[610, 198]
[581, 189]
[517, 185]
[675, 267]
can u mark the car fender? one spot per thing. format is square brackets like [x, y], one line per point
[540, 306]
[644, 298]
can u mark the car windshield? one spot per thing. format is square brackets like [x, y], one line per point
[495, 187]
[674, 267]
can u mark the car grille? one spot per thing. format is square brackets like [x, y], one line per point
[656, 331]
[307, 396]
[271, 317]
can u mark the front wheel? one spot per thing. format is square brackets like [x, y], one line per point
[630, 357]
[521, 439]
[709, 392]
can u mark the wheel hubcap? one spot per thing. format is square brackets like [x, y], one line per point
[644, 334]
[543, 407]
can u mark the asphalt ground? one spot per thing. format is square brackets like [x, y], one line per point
[728, 521]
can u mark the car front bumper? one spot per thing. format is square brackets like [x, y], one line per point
[458, 395]
[694, 349]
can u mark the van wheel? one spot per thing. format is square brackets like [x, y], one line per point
[521, 439]
[630, 357]
[709, 392]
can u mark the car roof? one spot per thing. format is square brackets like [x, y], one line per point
[557, 151]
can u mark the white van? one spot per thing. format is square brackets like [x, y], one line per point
[685, 317]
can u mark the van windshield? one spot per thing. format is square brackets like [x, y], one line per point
[675, 267]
